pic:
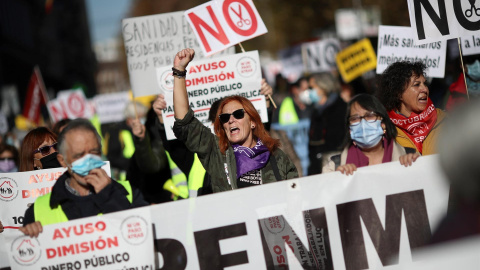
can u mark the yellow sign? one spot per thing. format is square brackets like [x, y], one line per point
[356, 60]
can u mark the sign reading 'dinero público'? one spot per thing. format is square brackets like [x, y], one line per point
[121, 240]
[356, 60]
[209, 80]
[152, 42]
[434, 20]
[396, 43]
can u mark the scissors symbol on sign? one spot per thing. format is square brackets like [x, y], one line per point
[469, 12]
[242, 21]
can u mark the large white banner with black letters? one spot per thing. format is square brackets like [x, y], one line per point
[435, 20]
[319, 56]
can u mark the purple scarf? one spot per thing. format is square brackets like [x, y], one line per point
[249, 159]
[357, 157]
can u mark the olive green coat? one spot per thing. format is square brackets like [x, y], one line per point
[222, 167]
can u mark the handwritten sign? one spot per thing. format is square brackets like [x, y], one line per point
[396, 43]
[219, 24]
[152, 42]
[319, 56]
[471, 44]
[435, 20]
[110, 107]
[121, 240]
[210, 80]
[356, 60]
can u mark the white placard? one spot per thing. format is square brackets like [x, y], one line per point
[219, 24]
[471, 44]
[397, 43]
[70, 104]
[152, 42]
[20, 189]
[121, 240]
[212, 79]
[111, 107]
[319, 56]
[383, 206]
[434, 20]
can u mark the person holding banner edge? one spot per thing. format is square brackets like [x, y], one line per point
[370, 140]
[243, 154]
[404, 93]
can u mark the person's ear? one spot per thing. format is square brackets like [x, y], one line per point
[61, 160]
[384, 127]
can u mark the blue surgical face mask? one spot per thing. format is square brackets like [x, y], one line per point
[366, 134]
[474, 70]
[87, 163]
[309, 96]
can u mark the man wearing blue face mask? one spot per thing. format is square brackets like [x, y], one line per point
[84, 189]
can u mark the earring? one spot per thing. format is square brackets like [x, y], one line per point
[253, 127]
[384, 131]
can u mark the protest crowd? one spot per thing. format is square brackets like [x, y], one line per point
[195, 127]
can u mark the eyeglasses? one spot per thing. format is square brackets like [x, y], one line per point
[45, 150]
[238, 114]
[369, 117]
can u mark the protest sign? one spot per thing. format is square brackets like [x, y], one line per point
[434, 20]
[69, 104]
[355, 23]
[319, 56]
[19, 190]
[328, 221]
[397, 43]
[110, 107]
[291, 60]
[471, 44]
[356, 59]
[152, 42]
[211, 79]
[219, 24]
[121, 240]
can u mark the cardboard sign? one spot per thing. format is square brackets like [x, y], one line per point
[152, 42]
[397, 43]
[111, 107]
[121, 240]
[328, 221]
[471, 44]
[220, 24]
[434, 20]
[69, 104]
[19, 190]
[210, 80]
[356, 60]
[319, 56]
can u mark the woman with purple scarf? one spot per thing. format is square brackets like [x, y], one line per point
[241, 153]
[370, 140]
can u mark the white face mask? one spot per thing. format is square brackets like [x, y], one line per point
[309, 96]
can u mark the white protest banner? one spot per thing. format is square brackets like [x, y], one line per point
[471, 44]
[371, 220]
[319, 56]
[152, 42]
[210, 80]
[110, 107]
[219, 24]
[121, 240]
[434, 20]
[70, 104]
[397, 43]
[19, 190]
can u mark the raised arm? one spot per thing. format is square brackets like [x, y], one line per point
[180, 97]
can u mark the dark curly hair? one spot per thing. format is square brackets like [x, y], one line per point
[372, 104]
[394, 81]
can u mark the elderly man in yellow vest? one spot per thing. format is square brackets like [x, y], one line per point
[84, 189]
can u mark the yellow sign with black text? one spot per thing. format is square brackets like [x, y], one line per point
[356, 60]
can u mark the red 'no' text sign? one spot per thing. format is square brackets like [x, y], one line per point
[220, 24]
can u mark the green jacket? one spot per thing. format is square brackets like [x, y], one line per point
[222, 167]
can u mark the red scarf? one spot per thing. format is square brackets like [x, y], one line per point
[417, 126]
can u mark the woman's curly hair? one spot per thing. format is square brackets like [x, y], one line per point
[394, 81]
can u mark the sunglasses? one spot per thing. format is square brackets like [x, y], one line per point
[238, 114]
[45, 150]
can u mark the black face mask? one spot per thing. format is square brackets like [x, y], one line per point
[50, 161]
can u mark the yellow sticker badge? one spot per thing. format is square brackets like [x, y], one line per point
[356, 60]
